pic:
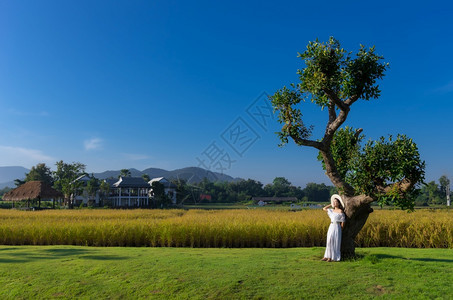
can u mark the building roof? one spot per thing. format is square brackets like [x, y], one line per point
[111, 181]
[131, 182]
[164, 181]
[32, 190]
[82, 178]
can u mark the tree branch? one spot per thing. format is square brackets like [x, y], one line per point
[332, 116]
[332, 112]
[357, 133]
[332, 127]
[304, 142]
[332, 173]
[356, 202]
[402, 187]
[351, 100]
[338, 102]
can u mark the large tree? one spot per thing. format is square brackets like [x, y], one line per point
[387, 170]
[40, 172]
[65, 177]
[444, 182]
[125, 173]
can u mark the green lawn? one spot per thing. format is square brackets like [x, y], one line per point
[32, 272]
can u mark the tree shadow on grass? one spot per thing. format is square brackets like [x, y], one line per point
[103, 257]
[12, 260]
[375, 258]
[66, 251]
[444, 260]
[58, 253]
[8, 249]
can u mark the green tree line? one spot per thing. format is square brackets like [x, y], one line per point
[243, 191]
[431, 193]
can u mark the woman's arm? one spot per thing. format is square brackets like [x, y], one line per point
[342, 225]
[326, 207]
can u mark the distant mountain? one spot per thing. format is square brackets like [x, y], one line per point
[116, 173]
[9, 174]
[195, 175]
[9, 184]
[190, 174]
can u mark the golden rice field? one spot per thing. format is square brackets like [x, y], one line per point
[218, 228]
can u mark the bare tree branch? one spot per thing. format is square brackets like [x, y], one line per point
[357, 133]
[401, 186]
[332, 127]
[351, 100]
[332, 173]
[332, 112]
[334, 97]
[304, 142]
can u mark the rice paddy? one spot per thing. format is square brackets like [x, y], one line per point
[218, 228]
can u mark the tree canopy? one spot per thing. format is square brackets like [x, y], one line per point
[40, 172]
[66, 174]
[125, 173]
[386, 170]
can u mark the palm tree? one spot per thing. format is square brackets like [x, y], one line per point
[125, 173]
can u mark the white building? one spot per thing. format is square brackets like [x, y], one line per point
[170, 188]
[129, 192]
[124, 192]
[81, 196]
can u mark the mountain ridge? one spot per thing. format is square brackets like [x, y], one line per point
[190, 174]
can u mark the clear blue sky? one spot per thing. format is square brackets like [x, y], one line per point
[138, 84]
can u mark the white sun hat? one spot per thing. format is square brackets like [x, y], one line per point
[335, 196]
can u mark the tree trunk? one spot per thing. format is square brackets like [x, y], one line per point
[357, 210]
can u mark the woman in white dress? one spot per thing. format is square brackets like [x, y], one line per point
[337, 219]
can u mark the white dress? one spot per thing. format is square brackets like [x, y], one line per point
[334, 235]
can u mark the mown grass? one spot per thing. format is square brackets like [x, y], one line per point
[217, 228]
[46, 272]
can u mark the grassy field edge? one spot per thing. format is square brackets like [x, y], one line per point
[37, 272]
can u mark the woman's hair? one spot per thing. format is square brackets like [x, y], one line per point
[339, 204]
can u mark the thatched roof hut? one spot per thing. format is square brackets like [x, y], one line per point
[32, 190]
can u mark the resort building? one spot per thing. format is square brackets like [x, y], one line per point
[123, 192]
[170, 188]
[129, 192]
[81, 194]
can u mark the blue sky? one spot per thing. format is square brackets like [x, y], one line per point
[138, 84]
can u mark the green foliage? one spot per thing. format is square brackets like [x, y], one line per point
[146, 177]
[104, 187]
[160, 198]
[4, 190]
[18, 182]
[385, 162]
[386, 170]
[431, 193]
[318, 192]
[244, 190]
[329, 70]
[125, 173]
[345, 150]
[92, 185]
[444, 182]
[284, 101]
[40, 172]
[378, 164]
[66, 174]
[328, 67]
